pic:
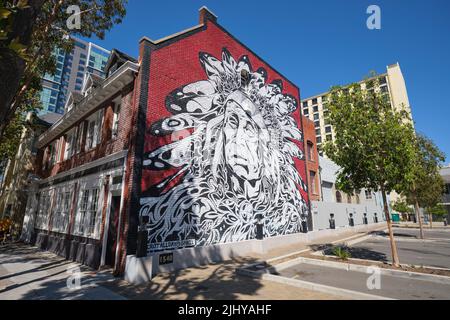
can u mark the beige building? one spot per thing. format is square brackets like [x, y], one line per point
[391, 83]
[18, 174]
[315, 107]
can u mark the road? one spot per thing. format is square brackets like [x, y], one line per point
[411, 250]
[390, 286]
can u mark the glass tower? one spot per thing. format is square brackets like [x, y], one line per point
[71, 69]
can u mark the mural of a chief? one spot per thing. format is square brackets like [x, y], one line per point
[233, 144]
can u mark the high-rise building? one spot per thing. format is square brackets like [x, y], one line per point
[391, 83]
[71, 70]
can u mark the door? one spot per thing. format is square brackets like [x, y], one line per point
[111, 243]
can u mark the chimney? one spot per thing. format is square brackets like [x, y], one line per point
[206, 14]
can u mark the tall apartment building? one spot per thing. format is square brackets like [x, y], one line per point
[315, 107]
[71, 69]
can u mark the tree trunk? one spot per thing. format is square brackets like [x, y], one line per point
[395, 259]
[431, 221]
[419, 218]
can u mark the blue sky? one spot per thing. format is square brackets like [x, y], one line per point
[321, 43]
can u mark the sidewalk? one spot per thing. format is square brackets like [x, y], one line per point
[29, 274]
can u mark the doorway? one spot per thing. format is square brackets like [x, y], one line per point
[111, 243]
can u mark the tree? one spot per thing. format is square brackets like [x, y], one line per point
[426, 186]
[30, 30]
[438, 210]
[402, 207]
[372, 143]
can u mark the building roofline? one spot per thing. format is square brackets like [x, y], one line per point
[345, 85]
[187, 32]
[174, 35]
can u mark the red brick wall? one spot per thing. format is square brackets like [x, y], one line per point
[313, 164]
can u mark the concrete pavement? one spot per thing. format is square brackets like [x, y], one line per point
[29, 274]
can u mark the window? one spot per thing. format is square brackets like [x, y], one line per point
[93, 206]
[317, 124]
[312, 179]
[318, 132]
[94, 130]
[305, 104]
[316, 116]
[115, 128]
[324, 99]
[310, 150]
[57, 212]
[447, 188]
[368, 194]
[338, 197]
[80, 132]
[83, 211]
[316, 109]
[314, 101]
[306, 111]
[318, 140]
[329, 137]
[42, 218]
[90, 135]
[69, 144]
[327, 129]
[62, 211]
[88, 217]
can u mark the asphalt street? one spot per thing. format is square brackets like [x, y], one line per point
[390, 286]
[434, 251]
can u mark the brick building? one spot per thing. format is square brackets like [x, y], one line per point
[312, 160]
[193, 153]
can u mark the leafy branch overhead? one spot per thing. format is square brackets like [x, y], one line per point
[30, 32]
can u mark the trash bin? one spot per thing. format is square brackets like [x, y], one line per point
[332, 222]
[304, 226]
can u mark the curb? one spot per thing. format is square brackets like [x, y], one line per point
[365, 269]
[349, 294]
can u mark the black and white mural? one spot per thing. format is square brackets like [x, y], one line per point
[233, 145]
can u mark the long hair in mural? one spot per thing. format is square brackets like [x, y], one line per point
[233, 145]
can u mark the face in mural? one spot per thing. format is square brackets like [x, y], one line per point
[241, 140]
[236, 166]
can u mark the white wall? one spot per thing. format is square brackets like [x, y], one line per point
[321, 214]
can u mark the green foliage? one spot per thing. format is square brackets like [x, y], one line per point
[341, 253]
[427, 185]
[10, 140]
[373, 140]
[402, 207]
[437, 210]
[32, 29]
